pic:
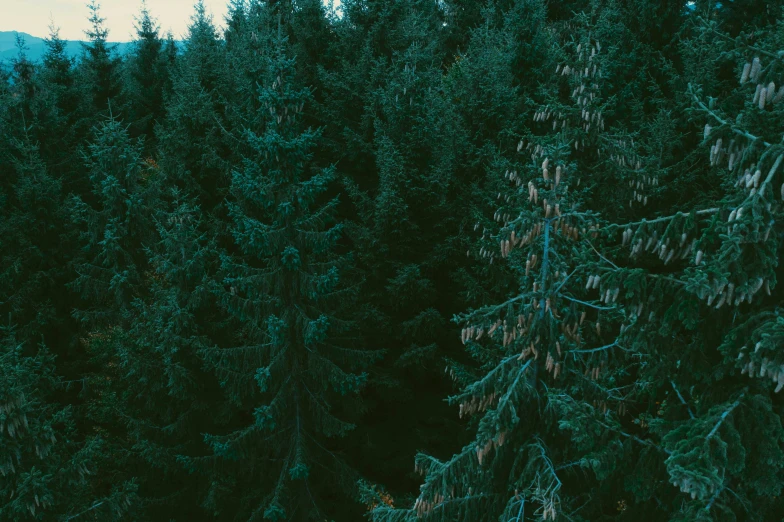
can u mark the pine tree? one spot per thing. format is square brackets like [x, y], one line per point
[147, 71]
[64, 129]
[294, 367]
[114, 223]
[195, 146]
[150, 386]
[48, 469]
[99, 68]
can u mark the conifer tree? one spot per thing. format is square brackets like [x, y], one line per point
[637, 396]
[113, 225]
[482, 82]
[544, 341]
[147, 71]
[33, 242]
[59, 138]
[48, 469]
[99, 68]
[295, 366]
[408, 219]
[612, 169]
[23, 79]
[194, 144]
[36, 242]
[159, 394]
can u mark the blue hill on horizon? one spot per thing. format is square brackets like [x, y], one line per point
[37, 47]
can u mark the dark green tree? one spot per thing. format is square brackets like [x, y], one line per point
[99, 69]
[33, 242]
[535, 338]
[59, 138]
[150, 388]
[23, 81]
[195, 144]
[408, 219]
[147, 70]
[114, 223]
[636, 407]
[49, 470]
[292, 366]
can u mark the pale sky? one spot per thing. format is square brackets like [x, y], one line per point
[33, 16]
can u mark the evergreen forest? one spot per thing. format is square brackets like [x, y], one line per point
[397, 261]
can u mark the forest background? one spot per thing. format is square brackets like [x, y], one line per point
[451, 260]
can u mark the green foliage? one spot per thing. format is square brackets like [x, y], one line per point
[291, 357]
[46, 466]
[193, 144]
[147, 78]
[99, 68]
[113, 223]
[243, 251]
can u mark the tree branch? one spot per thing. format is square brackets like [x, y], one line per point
[723, 417]
[681, 398]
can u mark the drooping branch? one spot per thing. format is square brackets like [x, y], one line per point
[662, 219]
[772, 173]
[776, 56]
[723, 122]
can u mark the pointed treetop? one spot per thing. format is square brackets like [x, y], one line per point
[146, 25]
[97, 31]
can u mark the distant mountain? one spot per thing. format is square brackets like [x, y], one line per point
[37, 47]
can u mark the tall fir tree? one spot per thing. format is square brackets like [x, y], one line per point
[100, 69]
[60, 138]
[113, 223]
[195, 146]
[621, 354]
[34, 244]
[147, 70]
[292, 369]
[407, 216]
[656, 432]
[150, 388]
[536, 347]
[48, 468]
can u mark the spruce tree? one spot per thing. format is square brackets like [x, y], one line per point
[152, 391]
[636, 405]
[59, 138]
[194, 142]
[33, 243]
[113, 223]
[543, 343]
[36, 242]
[23, 80]
[48, 468]
[409, 221]
[99, 69]
[593, 188]
[293, 367]
[147, 72]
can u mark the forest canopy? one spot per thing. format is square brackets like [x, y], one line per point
[397, 260]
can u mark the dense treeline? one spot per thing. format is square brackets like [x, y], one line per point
[442, 260]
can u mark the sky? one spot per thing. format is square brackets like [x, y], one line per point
[34, 16]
